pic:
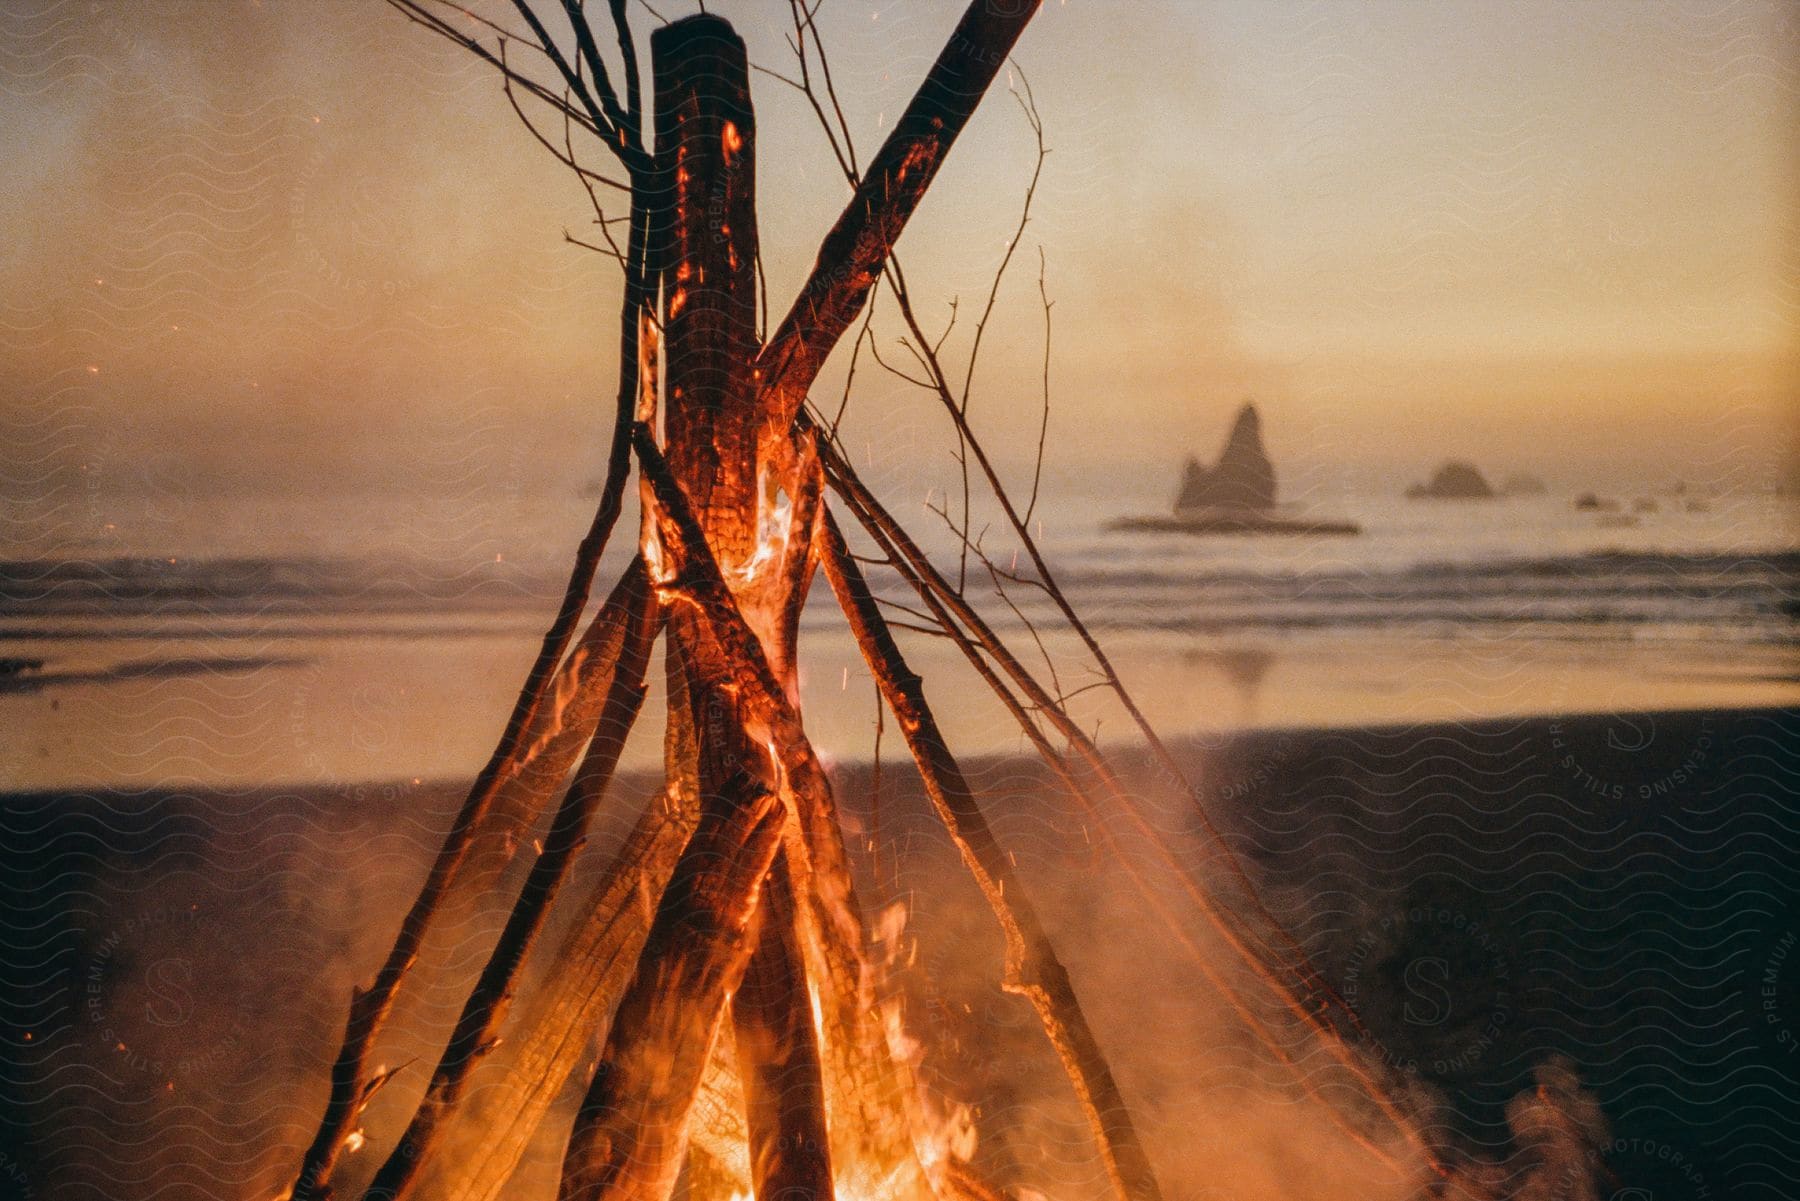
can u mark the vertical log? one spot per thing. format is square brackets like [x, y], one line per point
[705, 251]
[704, 246]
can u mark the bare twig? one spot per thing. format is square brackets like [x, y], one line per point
[629, 147]
[1037, 464]
[634, 88]
[605, 114]
[417, 12]
[1032, 967]
[565, 157]
[853, 254]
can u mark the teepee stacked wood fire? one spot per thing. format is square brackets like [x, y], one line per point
[723, 960]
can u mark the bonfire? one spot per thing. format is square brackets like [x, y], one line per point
[724, 964]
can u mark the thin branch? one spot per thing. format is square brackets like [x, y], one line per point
[564, 157]
[611, 252]
[915, 381]
[845, 154]
[777, 75]
[1032, 967]
[624, 128]
[604, 124]
[416, 12]
[634, 87]
[1037, 469]
[862, 335]
[1029, 104]
[831, 89]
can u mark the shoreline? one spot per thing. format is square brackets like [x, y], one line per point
[329, 720]
[1132, 746]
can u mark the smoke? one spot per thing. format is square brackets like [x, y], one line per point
[181, 965]
[1233, 1094]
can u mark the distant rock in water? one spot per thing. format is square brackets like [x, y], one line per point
[1243, 480]
[1521, 483]
[1455, 480]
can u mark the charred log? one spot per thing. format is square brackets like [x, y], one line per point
[630, 1134]
[477, 1029]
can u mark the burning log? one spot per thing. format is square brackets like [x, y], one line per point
[726, 652]
[853, 254]
[485, 1008]
[778, 1058]
[704, 249]
[555, 716]
[553, 1025]
[630, 1133]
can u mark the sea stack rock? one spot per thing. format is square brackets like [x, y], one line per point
[1242, 480]
[1455, 480]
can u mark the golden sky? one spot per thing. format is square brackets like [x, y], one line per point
[302, 244]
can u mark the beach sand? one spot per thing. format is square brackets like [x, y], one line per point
[1614, 890]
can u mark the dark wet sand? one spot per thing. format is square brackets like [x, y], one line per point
[1618, 890]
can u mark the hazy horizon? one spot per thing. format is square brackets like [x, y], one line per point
[308, 248]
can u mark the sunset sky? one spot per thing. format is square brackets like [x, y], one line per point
[289, 245]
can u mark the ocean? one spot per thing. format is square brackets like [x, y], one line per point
[186, 638]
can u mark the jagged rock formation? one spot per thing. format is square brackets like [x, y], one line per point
[1242, 480]
[1455, 480]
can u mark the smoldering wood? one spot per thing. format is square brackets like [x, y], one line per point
[630, 1133]
[541, 742]
[708, 1179]
[778, 1058]
[879, 1099]
[552, 1028]
[487, 1004]
[704, 250]
[717, 1129]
